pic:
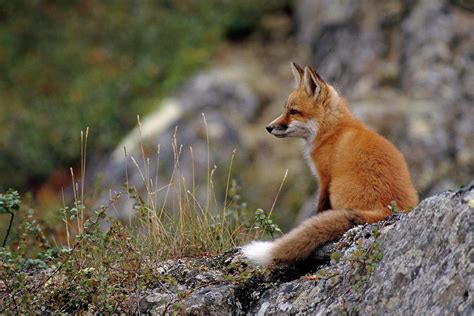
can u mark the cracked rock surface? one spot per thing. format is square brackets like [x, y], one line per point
[410, 264]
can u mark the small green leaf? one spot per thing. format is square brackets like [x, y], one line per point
[9, 202]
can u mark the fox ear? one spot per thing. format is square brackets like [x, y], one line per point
[297, 72]
[312, 82]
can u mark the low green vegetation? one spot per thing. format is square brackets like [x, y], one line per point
[65, 65]
[101, 270]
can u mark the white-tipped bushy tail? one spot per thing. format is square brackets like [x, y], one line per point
[259, 252]
[300, 242]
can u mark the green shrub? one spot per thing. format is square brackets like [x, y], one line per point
[101, 270]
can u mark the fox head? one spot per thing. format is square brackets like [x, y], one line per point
[306, 107]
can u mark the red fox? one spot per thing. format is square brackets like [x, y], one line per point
[359, 171]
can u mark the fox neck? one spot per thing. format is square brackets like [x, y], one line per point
[337, 115]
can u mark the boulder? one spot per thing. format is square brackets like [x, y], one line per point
[410, 264]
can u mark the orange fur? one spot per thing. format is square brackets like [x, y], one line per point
[359, 171]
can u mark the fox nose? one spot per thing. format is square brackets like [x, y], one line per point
[269, 128]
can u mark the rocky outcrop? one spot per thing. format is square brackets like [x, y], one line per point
[410, 264]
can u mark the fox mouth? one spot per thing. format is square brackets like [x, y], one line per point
[279, 134]
[293, 131]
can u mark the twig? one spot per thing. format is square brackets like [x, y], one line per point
[8, 230]
[278, 193]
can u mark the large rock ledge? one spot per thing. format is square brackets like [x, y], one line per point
[410, 264]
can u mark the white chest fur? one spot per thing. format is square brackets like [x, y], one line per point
[309, 160]
[312, 128]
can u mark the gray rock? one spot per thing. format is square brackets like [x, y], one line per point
[410, 264]
[216, 300]
[428, 268]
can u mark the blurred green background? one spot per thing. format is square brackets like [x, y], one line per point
[68, 65]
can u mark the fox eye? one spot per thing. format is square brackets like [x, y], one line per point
[294, 112]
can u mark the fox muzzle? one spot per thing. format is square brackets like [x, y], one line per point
[278, 130]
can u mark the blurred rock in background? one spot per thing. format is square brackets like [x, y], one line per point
[406, 68]
[238, 96]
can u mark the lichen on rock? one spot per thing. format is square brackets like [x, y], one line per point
[415, 263]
